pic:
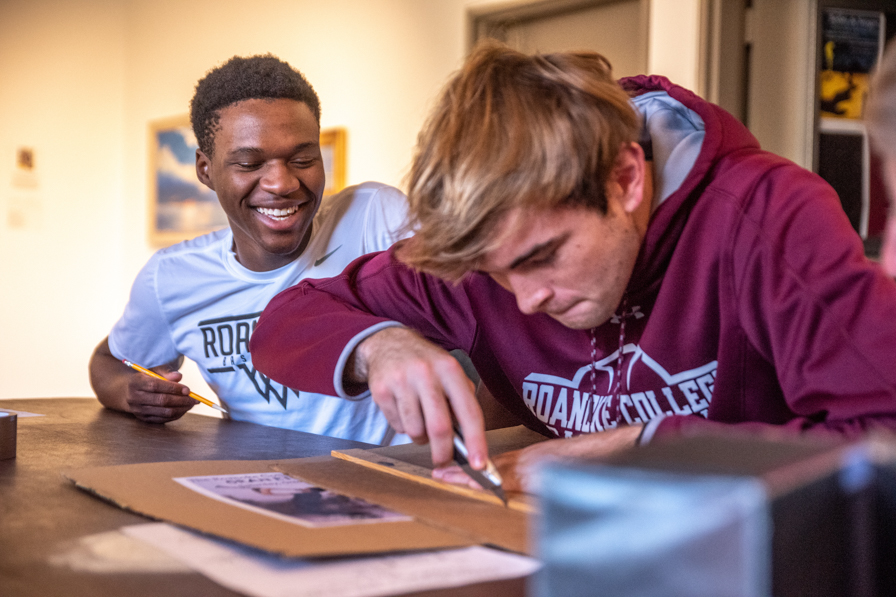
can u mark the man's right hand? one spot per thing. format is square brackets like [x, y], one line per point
[418, 386]
[149, 399]
[154, 400]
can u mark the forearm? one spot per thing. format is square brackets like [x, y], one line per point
[318, 323]
[108, 378]
[150, 399]
[313, 327]
[853, 428]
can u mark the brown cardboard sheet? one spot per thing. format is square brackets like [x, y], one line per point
[479, 517]
[149, 489]
[414, 462]
[476, 520]
[443, 518]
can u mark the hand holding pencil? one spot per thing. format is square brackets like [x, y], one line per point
[192, 395]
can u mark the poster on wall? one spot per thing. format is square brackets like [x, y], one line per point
[180, 207]
[852, 41]
[332, 151]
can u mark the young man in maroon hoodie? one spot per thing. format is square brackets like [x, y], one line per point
[621, 261]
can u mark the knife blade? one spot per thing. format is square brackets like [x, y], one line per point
[489, 478]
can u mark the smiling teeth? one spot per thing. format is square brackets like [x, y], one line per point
[277, 213]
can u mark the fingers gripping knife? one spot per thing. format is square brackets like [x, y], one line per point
[489, 479]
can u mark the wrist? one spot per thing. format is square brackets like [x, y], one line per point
[357, 368]
[648, 430]
[640, 436]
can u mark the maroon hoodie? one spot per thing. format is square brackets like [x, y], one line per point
[751, 304]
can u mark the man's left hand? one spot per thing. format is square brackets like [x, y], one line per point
[517, 467]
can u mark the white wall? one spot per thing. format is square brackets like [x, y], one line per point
[781, 115]
[674, 41]
[62, 87]
[80, 80]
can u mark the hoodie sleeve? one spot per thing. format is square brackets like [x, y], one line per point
[306, 333]
[812, 309]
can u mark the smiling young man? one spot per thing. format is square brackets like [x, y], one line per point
[621, 261]
[257, 122]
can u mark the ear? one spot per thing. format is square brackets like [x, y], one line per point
[628, 179]
[203, 165]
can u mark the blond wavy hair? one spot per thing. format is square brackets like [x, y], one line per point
[511, 130]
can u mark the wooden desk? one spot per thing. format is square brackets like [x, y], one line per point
[42, 514]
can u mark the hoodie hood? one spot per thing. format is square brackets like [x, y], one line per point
[697, 138]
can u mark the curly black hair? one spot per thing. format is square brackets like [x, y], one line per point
[238, 79]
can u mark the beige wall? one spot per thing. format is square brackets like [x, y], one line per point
[80, 80]
[62, 90]
[780, 115]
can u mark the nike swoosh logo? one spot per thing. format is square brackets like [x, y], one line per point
[324, 258]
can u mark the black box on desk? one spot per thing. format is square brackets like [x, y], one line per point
[721, 516]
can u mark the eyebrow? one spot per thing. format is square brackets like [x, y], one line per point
[551, 243]
[256, 150]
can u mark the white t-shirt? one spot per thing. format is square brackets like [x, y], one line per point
[194, 299]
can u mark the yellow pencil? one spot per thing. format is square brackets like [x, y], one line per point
[156, 375]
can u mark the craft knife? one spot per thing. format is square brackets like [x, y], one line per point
[489, 478]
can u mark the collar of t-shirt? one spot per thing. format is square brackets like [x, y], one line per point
[241, 272]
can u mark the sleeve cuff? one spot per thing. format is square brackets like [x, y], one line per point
[648, 431]
[347, 352]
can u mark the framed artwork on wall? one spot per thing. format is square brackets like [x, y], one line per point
[852, 42]
[180, 207]
[332, 149]
[850, 39]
